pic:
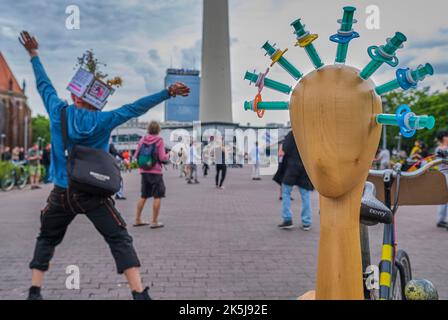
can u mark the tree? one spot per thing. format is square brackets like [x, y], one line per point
[41, 128]
[422, 102]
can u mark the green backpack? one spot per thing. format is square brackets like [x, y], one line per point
[147, 156]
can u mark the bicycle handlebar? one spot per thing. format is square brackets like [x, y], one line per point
[397, 171]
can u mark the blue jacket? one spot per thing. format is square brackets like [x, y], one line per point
[87, 128]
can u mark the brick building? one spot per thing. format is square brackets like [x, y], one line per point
[15, 114]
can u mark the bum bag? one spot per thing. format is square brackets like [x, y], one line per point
[90, 170]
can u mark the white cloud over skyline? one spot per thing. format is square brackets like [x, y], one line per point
[140, 39]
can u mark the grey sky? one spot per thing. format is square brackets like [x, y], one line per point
[138, 40]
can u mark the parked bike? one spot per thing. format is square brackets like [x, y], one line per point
[16, 177]
[389, 279]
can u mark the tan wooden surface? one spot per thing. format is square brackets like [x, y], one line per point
[426, 190]
[333, 118]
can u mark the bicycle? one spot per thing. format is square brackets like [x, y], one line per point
[388, 280]
[16, 177]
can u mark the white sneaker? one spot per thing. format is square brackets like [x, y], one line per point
[306, 228]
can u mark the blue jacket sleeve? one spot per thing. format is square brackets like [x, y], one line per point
[112, 119]
[45, 88]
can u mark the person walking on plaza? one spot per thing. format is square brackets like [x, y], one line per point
[255, 158]
[384, 159]
[192, 166]
[442, 216]
[295, 175]
[221, 166]
[114, 152]
[278, 177]
[6, 155]
[126, 157]
[150, 155]
[33, 159]
[182, 160]
[21, 154]
[15, 155]
[86, 126]
[46, 162]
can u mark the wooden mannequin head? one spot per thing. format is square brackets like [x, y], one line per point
[333, 118]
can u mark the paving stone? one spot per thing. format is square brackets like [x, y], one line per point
[216, 244]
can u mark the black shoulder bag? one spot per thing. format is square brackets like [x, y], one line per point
[90, 170]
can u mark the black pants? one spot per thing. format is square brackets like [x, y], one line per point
[223, 169]
[60, 211]
[205, 167]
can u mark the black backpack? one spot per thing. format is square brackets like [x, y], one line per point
[90, 170]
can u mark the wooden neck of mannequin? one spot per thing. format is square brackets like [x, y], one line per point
[339, 272]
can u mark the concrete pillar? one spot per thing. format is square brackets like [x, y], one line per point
[216, 95]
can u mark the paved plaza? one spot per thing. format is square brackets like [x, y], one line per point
[216, 244]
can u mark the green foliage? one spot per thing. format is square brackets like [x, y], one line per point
[422, 102]
[5, 167]
[41, 128]
[89, 62]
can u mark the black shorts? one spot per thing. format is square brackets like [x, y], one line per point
[153, 186]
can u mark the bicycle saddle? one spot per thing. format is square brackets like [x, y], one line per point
[373, 211]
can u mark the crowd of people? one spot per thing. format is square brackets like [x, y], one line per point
[82, 124]
[442, 149]
[418, 157]
[35, 158]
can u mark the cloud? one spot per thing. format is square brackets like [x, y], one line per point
[154, 55]
[8, 32]
[191, 57]
[139, 39]
[441, 67]
[134, 39]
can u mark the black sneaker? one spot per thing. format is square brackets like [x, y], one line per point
[286, 225]
[142, 295]
[34, 294]
[442, 225]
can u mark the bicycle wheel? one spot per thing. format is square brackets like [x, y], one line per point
[8, 182]
[402, 275]
[22, 177]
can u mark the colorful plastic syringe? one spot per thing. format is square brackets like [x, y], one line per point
[383, 54]
[407, 121]
[277, 56]
[305, 40]
[345, 34]
[406, 79]
[272, 84]
[267, 105]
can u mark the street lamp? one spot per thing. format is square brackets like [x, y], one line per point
[386, 109]
[40, 142]
[25, 133]
[399, 139]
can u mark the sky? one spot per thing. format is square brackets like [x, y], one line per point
[140, 39]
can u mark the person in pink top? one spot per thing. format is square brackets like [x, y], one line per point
[153, 185]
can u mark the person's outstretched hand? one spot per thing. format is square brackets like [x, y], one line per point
[178, 89]
[29, 43]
